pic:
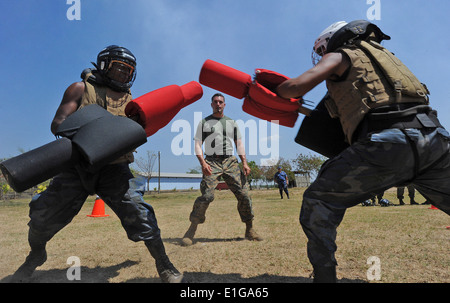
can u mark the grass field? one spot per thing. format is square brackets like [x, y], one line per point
[411, 242]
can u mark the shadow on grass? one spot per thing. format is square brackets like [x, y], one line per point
[105, 274]
[88, 275]
[177, 241]
[208, 277]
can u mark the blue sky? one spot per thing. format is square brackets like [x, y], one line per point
[43, 52]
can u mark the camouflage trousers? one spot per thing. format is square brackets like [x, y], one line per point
[370, 166]
[229, 169]
[54, 208]
[401, 191]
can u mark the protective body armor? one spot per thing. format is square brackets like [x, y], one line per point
[113, 101]
[376, 78]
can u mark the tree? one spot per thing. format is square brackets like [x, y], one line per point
[145, 165]
[4, 186]
[196, 170]
[287, 168]
[268, 171]
[255, 172]
[4, 189]
[309, 163]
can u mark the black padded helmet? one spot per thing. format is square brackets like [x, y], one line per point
[117, 66]
[355, 30]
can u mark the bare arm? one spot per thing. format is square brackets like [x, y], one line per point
[331, 65]
[241, 152]
[69, 104]
[206, 169]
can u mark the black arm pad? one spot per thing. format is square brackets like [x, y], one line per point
[38, 165]
[70, 126]
[321, 133]
[105, 139]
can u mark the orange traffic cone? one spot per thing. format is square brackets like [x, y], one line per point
[99, 209]
[433, 207]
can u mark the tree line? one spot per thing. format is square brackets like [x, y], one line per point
[306, 164]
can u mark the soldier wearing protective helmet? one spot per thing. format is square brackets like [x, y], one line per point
[109, 87]
[394, 137]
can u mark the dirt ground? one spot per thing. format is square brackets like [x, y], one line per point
[410, 243]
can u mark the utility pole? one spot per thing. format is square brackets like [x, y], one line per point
[159, 172]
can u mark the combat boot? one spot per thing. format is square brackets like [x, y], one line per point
[36, 257]
[250, 233]
[188, 237]
[325, 274]
[167, 272]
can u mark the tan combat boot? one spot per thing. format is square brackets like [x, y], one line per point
[250, 233]
[189, 235]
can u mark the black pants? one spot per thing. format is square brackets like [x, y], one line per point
[387, 159]
[54, 208]
[283, 187]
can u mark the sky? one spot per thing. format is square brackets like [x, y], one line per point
[46, 44]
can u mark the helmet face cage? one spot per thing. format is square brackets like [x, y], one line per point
[118, 66]
[317, 54]
[120, 71]
[321, 43]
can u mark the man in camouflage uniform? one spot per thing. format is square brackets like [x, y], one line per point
[394, 136]
[411, 194]
[53, 209]
[217, 132]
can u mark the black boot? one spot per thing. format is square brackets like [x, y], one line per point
[167, 272]
[325, 274]
[37, 257]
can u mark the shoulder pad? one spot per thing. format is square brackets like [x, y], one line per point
[91, 75]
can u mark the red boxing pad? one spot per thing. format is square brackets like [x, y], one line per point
[264, 96]
[225, 79]
[285, 118]
[269, 79]
[192, 92]
[263, 90]
[157, 108]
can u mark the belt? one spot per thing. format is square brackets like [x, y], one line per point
[221, 157]
[403, 117]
